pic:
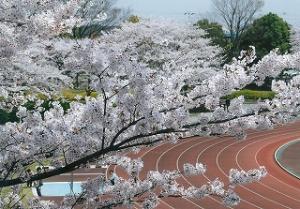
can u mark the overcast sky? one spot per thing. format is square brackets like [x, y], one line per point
[175, 9]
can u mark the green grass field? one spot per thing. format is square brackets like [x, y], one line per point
[251, 94]
[25, 194]
[70, 94]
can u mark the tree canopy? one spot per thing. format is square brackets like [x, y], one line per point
[267, 33]
[236, 16]
[214, 32]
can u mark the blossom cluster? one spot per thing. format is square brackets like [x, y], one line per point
[147, 77]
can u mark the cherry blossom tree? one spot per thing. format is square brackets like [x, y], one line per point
[26, 25]
[28, 30]
[139, 72]
[103, 16]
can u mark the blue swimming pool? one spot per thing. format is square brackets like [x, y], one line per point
[59, 188]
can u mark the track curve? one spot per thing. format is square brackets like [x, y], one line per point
[279, 190]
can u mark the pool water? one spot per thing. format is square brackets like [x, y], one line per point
[61, 188]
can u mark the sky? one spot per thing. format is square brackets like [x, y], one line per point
[175, 9]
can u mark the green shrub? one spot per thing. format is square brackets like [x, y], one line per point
[134, 19]
[200, 109]
[6, 116]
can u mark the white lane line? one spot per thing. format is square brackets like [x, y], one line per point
[166, 151]
[261, 183]
[143, 155]
[106, 175]
[244, 187]
[249, 138]
[177, 164]
[291, 186]
[269, 174]
[162, 144]
[207, 148]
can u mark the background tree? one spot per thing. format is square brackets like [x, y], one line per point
[214, 32]
[236, 16]
[267, 33]
[103, 16]
[134, 19]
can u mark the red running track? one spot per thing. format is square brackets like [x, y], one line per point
[279, 190]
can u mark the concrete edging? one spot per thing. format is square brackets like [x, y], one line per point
[277, 160]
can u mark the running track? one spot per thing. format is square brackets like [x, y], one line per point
[278, 190]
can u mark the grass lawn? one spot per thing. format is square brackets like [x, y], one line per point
[70, 94]
[251, 94]
[26, 193]
[67, 94]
